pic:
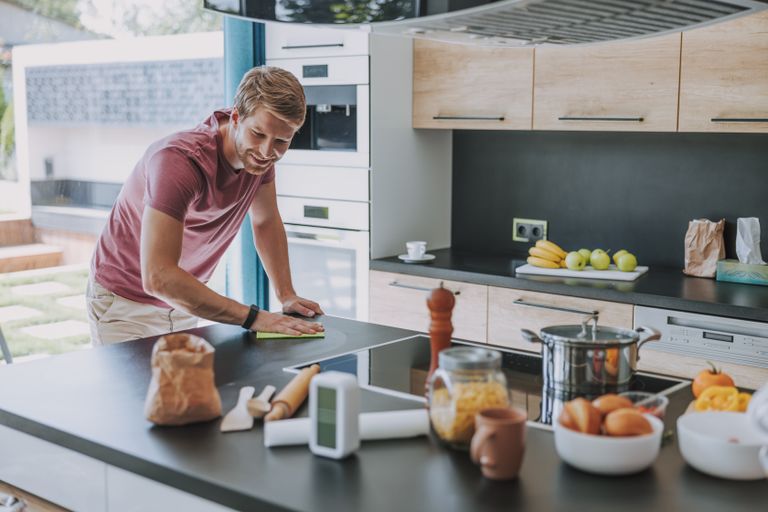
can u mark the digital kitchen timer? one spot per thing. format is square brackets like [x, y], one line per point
[334, 410]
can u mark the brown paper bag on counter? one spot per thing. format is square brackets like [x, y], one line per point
[704, 246]
[182, 388]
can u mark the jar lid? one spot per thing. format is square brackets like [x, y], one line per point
[591, 335]
[468, 358]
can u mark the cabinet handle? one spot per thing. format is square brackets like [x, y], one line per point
[412, 287]
[739, 120]
[521, 302]
[302, 46]
[469, 118]
[596, 118]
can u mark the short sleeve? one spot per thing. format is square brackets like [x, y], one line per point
[173, 182]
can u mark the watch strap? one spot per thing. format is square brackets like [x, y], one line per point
[251, 316]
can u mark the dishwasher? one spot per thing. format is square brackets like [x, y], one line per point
[724, 339]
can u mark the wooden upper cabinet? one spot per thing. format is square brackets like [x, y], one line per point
[724, 77]
[471, 87]
[624, 86]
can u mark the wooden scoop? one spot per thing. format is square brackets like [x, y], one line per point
[259, 406]
[238, 418]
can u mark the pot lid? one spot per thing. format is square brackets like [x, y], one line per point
[589, 335]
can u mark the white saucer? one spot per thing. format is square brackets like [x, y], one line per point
[426, 257]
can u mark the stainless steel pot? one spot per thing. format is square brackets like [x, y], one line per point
[588, 359]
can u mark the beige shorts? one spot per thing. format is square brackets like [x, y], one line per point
[113, 318]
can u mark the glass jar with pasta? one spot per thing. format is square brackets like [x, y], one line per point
[466, 381]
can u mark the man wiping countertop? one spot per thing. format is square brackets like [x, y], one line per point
[181, 208]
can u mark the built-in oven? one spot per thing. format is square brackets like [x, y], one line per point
[336, 129]
[323, 180]
[329, 266]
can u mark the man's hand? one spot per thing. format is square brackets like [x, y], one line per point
[275, 322]
[304, 307]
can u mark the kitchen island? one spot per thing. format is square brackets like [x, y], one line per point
[90, 404]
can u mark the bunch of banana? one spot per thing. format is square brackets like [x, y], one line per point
[546, 254]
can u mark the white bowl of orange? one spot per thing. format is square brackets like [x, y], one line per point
[590, 449]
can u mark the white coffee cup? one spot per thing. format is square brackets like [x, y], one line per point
[416, 249]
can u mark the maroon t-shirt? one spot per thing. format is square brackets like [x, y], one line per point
[186, 176]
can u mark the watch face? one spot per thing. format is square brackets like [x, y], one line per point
[326, 417]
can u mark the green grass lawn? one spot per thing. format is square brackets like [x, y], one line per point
[22, 344]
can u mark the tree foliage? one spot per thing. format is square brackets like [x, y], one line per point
[63, 10]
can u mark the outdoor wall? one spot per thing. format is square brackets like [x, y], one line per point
[93, 107]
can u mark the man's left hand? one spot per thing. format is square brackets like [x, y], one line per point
[304, 307]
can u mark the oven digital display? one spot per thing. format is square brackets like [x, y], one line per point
[315, 71]
[316, 212]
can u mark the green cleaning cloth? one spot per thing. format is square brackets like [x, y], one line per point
[276, 335]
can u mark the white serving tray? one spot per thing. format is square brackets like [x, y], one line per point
[612, 273]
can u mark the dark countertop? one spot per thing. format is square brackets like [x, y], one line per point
[659, 287]
[92, 402]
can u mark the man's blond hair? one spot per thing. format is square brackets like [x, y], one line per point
[274, 89]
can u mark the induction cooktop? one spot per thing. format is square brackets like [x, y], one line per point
[400, 367]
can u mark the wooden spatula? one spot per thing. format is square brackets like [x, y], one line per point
[238, 418]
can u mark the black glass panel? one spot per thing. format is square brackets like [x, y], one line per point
[336, 12]
[402, 367]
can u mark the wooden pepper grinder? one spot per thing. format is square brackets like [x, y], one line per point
[440, 303]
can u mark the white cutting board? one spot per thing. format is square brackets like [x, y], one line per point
[612, 273]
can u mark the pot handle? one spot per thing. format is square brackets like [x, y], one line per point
[653, 335]
[530, 336]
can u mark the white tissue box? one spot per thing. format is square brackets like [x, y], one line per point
[737, 272]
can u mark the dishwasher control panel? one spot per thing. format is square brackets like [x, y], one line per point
[712, 337]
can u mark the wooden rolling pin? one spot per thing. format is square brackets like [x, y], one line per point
[292, 395]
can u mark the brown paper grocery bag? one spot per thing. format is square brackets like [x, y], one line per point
[703, 247]
[182, 389]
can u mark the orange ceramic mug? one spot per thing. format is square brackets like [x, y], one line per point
[499, 442]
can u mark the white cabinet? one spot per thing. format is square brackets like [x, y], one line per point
[57, 474]
[291, 41]
[129, 492]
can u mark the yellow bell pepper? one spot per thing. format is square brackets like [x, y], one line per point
[718, 398]
[744, 399]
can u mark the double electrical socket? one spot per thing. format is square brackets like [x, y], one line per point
[529, 230]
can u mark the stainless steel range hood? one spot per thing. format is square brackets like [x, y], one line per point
[500, 22]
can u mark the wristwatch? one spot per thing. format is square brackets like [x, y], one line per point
[251, 317]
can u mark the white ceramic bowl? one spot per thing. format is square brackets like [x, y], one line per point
[721, 444]
[607, 455]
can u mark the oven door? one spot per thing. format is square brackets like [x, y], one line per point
[329, 266]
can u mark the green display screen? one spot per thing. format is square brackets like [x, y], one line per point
[326, 417]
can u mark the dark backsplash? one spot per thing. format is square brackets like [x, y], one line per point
[635, 191]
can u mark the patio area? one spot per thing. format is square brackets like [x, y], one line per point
[42, 312]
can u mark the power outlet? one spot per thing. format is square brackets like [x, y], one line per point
[529, 230]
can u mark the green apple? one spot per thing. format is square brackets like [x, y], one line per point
[600, 260]
[617, 254]
[585, 253]
[626, 262]
[575, 261]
